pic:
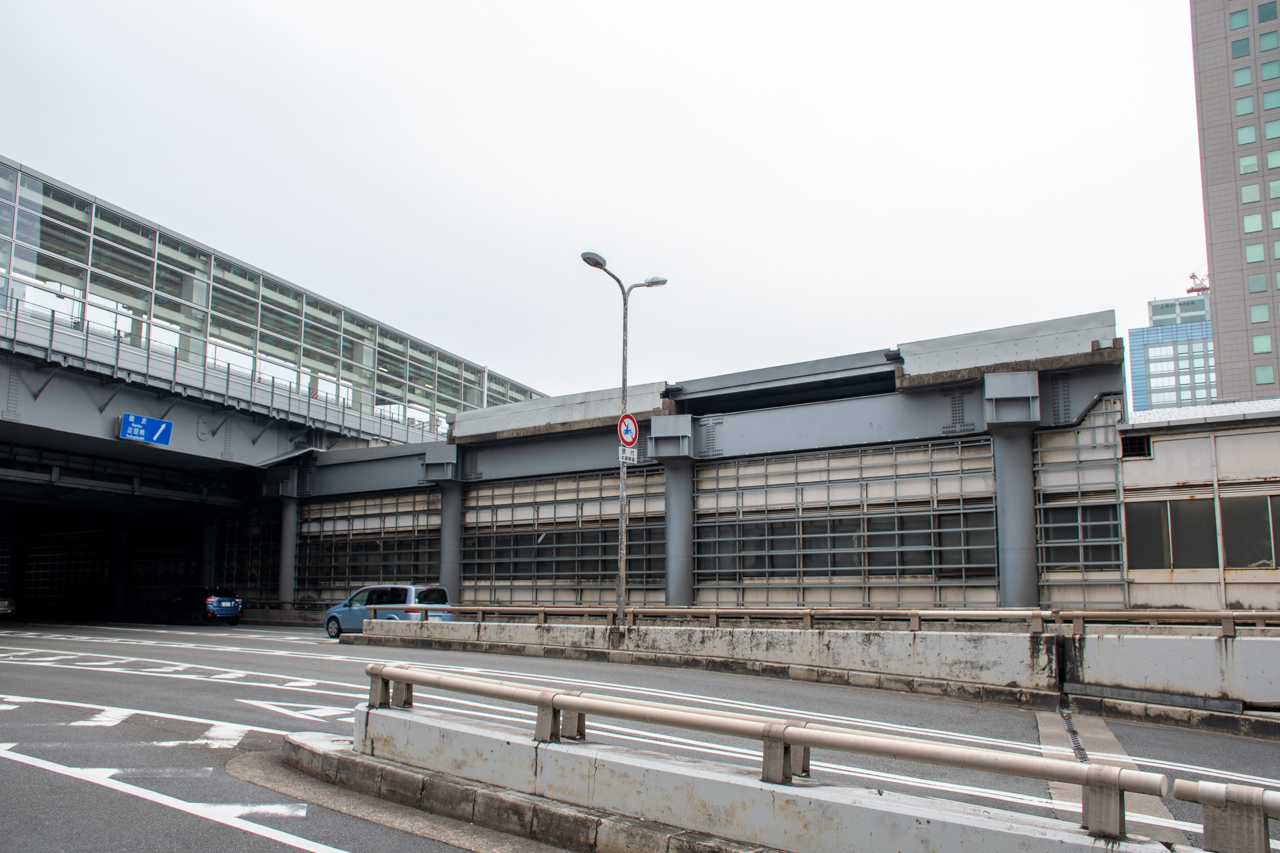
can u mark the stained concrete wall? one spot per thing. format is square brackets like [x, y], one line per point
[1021, 660]
[1244, 668]
[720, 799]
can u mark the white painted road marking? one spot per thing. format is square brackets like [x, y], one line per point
[109, 717]
[314, 713]
[270, 809]
[219, 736]
[203, 810]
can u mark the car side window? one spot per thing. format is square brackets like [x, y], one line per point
[397, 595]
[360, 599]
[433, 596]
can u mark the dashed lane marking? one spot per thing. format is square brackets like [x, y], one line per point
[204, 810]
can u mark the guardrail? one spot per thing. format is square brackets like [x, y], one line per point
[1235, 816]
[69, 341]
[1035, 619]
[563, 713]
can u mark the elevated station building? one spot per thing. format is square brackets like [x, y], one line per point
[309, 450]
[107, 318]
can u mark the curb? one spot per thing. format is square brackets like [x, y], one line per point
[1045, 700]
[330, 759]
[1244, 725]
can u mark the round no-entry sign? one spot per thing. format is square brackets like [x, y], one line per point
[628, 430]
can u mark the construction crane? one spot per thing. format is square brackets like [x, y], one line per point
[1199, 286]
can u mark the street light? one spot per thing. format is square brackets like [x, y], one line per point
[594, 260]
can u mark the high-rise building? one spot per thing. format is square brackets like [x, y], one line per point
[1237, 70]
[1171, 362]
[105, 273]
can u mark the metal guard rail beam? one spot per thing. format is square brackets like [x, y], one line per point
[1036, 618]
[1103, 787]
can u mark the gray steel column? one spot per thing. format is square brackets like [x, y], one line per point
[288, 551]
[451, 538]
[208, 550]
[1016, 516]
[679, 531]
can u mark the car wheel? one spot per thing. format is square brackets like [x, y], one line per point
[234, 620]
[333, 627]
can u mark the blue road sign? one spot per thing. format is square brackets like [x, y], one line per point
[149, 430]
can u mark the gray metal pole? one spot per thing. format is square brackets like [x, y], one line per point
[679, 531]
[288, 552]
[1016, 516]
[621, 591]
[451, 538]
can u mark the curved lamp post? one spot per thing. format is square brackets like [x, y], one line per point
[594, 260]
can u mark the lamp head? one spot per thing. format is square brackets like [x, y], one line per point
[593, 260]
[654, 282]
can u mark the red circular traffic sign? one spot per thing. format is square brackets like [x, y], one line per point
[628, 431]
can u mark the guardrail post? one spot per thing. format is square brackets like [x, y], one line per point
[800, 757]
[1103, 802]
[573, 724]
[1235, 816]
[1037, 624]
[1228, 626]
[547, 728]
[776, 766]
[379, 687]
[1077, 626]
[401, 694]
[914, 624]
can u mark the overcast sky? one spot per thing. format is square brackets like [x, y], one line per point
[814, 179]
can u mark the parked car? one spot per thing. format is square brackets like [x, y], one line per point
[348, 617]
[8, 607]
[198, 604]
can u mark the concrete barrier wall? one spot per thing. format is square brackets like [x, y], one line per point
[709, 797]
[1244, 668]
[1006, 659]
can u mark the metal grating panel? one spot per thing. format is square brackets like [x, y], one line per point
[912, 523]
[1079, 534]
[554, 540]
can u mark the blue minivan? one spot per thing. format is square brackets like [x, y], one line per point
[348, 617]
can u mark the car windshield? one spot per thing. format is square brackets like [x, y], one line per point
[433, 596]
[223, 592]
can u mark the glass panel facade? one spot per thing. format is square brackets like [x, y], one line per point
[37, 196]
[8, 183]
[155, 289]
[182, 285]
[119, 229]
[124, 264]
[178, 254]
[48, 235]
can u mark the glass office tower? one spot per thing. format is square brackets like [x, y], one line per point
[109, 273]
[1237, 73]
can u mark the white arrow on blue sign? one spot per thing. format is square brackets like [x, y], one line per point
[149, 430]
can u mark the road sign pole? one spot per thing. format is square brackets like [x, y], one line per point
[621, 590]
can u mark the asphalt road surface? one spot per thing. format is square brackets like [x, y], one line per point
[138, 738]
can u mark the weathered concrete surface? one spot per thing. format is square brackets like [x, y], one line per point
[705, 796]
[1244, 668]
[979, 658]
